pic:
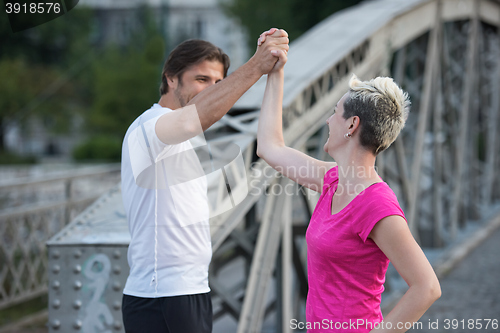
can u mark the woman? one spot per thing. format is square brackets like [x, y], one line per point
[357, 226]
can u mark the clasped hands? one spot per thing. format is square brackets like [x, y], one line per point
[272, 49]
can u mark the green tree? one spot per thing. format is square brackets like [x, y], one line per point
[60, 42]
[25, 83]
[295, 16]
[125, 83]
[56, 70]
[41, 68]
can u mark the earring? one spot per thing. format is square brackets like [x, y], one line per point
[347, 136]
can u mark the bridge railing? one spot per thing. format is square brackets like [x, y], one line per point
[33, 211]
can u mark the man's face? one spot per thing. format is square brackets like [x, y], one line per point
[195, 79]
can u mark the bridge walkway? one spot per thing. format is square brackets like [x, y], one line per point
[471, 291]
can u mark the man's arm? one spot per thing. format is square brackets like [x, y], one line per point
[212, 103]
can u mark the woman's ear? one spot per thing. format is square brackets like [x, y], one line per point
[354, 124]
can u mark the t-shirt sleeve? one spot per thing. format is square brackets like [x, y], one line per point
[157, 146]
[377, 205]
[330, 177]
[144, 147]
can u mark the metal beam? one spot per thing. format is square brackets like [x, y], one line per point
[429, 79]
[468, 89]
[263, 262]
[493, 119]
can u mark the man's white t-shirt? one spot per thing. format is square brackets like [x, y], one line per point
[165, 197]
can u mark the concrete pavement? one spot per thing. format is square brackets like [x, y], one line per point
[470, 293]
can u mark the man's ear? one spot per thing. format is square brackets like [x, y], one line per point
[172, 82]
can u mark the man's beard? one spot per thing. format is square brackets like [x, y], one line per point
[177, 92]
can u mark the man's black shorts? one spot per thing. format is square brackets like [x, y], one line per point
[175, 314]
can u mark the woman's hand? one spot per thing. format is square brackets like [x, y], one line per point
[282, 58]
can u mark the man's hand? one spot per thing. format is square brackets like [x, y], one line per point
[262, 37]
[270, 42]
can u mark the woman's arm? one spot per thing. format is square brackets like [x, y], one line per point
[393, 237]
[299, 167]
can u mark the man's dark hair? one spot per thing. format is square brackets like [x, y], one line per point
[187, 54]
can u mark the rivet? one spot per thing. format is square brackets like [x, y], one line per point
[77, 285]
[117, 305]
[117, 325]
[77, 254]
[56, 284]
[77, 269]
[77, 304]
[78, 324]
[56, 269]
[56, 254]
[117, 270]
[116, 254]
[117, 286]
[56, 304]
[56, 324]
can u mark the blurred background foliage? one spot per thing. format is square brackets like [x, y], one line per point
[125, 82]
[33, 67]
[58, 70]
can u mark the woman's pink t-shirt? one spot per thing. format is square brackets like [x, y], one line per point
[346, 270]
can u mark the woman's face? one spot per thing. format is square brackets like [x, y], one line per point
[337, 126]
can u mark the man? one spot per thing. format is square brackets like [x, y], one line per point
[165, 196]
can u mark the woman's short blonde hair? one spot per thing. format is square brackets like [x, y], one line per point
[382, 107]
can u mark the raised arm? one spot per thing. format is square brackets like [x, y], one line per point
[393, 237]
[294, 164]
[212, 103]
